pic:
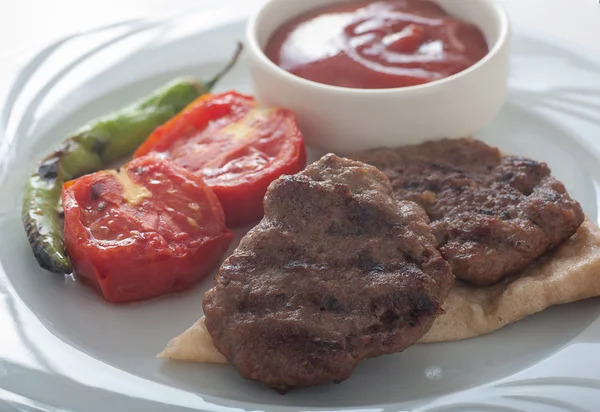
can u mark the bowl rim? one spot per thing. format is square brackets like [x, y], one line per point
[256, 49]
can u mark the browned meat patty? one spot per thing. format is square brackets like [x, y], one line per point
[492, 215]
[336, 272]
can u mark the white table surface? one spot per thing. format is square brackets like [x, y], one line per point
[26, 24]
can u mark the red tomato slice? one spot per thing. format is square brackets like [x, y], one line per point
[237, 147]
[145, 230]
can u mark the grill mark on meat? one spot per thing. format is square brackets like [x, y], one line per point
[367, 264]
[507, 176]
[331, 305]
[423, 305]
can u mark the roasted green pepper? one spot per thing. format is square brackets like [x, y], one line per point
[91, 149]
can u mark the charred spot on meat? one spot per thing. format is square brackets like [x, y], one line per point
[337, 271]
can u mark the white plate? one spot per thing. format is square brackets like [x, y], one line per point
[63, 349]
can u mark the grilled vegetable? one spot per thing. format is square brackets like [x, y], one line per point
[237, 147]
[93, 148]
[148, 229]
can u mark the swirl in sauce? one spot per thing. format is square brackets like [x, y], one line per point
[376, 44]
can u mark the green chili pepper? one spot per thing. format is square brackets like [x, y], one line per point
[91, 149]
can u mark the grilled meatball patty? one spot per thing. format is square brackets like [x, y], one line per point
[337, 271]
[492, 215]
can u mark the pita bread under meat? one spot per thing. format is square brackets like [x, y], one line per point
[571, 273]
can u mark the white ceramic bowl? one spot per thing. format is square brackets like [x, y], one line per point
[342, 119]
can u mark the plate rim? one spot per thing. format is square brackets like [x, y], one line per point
[562, 44]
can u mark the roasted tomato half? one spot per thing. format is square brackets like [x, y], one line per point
[146, 229]
[237, 147]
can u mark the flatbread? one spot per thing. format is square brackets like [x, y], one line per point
[193, 345]
[571, 273]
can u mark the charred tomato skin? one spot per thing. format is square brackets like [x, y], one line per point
[147, 229]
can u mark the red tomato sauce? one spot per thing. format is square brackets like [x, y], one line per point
[377, 44]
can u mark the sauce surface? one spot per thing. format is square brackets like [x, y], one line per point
[370, 44]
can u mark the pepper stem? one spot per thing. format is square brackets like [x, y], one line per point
[238, 52]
